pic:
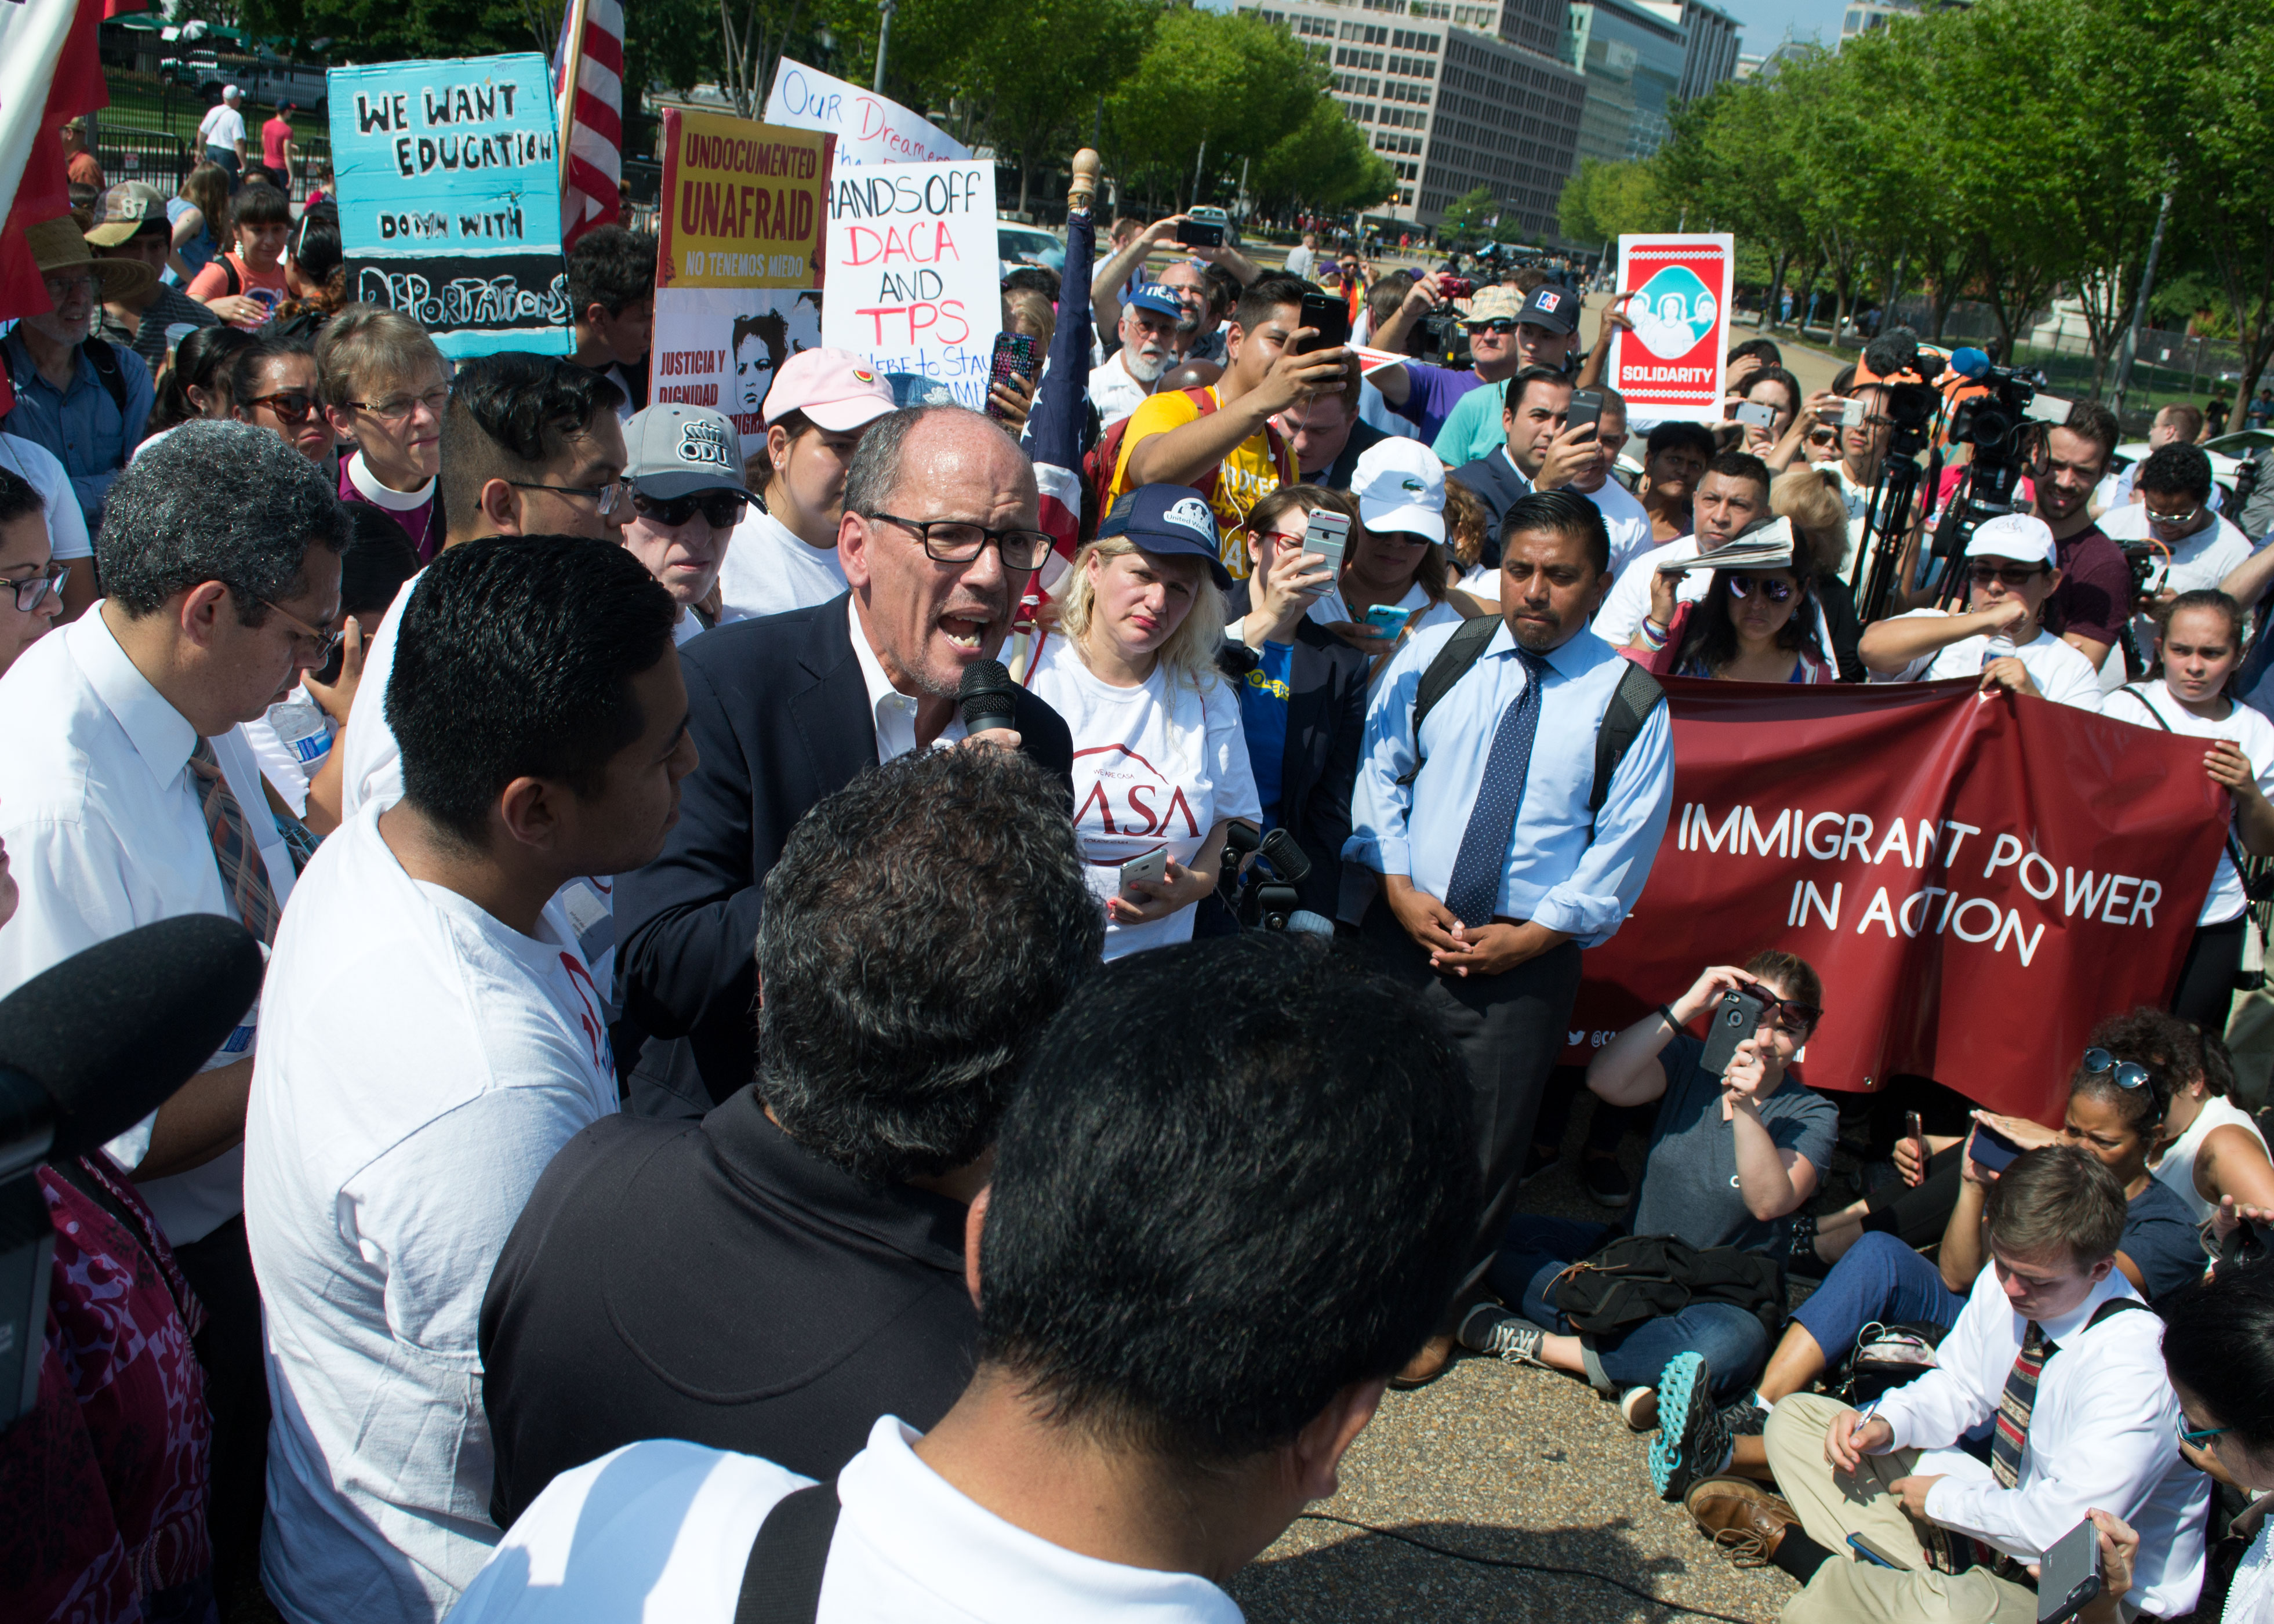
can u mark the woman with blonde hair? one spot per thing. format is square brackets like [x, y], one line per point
[1809, 497]
[1160, 762]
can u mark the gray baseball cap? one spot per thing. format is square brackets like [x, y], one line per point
[676, 450]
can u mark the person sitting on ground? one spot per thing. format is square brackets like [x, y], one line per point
[2200, 649]
[245, 285]
[1174, 1356]
[833, 1189]
[433, 1037]
[1732, 497]
[783, 556]
[1731, 1157]
[2117, 1097]
[1160, 760]
[1302, 689]
[274, 385]
[612, 297]
[2082, 1414]
[1999, 638]
[386, 388]
[1754, 625]
[685, 471]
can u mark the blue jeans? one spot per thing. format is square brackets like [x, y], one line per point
[1879, 1278]
[1534, 1251]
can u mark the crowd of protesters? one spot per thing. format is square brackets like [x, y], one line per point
[696, 1132]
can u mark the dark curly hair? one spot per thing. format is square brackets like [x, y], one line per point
[2165, 1046]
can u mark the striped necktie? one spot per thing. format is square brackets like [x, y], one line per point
[1482, 860]
[244, 874]
[2013, 1429]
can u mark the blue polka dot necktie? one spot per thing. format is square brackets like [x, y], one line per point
[1483, 858]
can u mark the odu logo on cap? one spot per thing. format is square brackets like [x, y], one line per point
[1193, 514]
[704, 442]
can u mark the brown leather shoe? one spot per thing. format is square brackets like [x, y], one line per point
[1425, 1366]
[1742, 1517]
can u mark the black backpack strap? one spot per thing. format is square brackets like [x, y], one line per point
[1463, 648]
[2114, 1306]
[2234, 852]
[781, 1583]
[102, 355]
[1637, 696]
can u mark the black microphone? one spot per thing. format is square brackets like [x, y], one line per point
[1894, 350]
[87, 1050]
[986, 696]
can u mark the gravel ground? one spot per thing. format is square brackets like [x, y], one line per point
[1511, 1464]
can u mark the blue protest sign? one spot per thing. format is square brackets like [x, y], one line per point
[448, 176]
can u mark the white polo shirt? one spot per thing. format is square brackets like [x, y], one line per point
[105, 828]
[769, 570]
[663, 1529]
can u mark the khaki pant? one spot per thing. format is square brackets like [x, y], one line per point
[1849, 1589]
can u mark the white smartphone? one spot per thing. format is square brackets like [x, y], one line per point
[1152, 865]
[1850, 410]
[1327, 534]
[1754, 412]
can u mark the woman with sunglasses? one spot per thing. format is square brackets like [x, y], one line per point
[684, 509]
[1756, 625]
[273, 386]
[2117, 1097]
[2201, 644]
[31, 580]
[1731, 1157]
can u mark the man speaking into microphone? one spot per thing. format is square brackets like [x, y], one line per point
[940, 532]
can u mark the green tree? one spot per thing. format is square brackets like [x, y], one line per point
[1211, 87]
[1323, 164]
[1604, 201]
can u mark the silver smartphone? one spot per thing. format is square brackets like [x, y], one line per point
[1153, 866]
[1850, 410]
[1754, 412]
[1327, 534]
[2068, 1579]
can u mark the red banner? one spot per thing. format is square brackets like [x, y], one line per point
[1978, 881]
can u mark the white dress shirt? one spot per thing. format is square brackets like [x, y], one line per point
[895, 712]
[423, 1061]
[105, 828]
[2103, 1432]
[662, 1531]
[1625, 518]
[1568, 869]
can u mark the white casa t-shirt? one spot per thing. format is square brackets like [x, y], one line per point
[420, 1063]
[1157, 764]
[2250, 731]
[768, 570]
[2061, 673]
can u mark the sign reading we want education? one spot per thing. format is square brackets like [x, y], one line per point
[448, 176]
[738, 273]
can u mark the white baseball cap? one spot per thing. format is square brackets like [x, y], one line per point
[1400, 485]
[231, 93]
[2022, 537]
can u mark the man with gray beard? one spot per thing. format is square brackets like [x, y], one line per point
[1149, 335]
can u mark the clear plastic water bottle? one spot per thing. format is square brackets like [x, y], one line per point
[303, 728]
[2000, 647]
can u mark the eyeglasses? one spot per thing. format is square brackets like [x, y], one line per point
[61, 288]
[398, 409]
[31, 593]
[2128, 1074]
[722, 508]
[325, 641]
[2013, 574]
[958, 541]
[1775, 592]
[2196, 1437]
[1500, 325]
[1798, 1019]
[2172, 521]
[291, 406]
[607, 497]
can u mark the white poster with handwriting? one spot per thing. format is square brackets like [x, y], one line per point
[912, 272]
[868, 128]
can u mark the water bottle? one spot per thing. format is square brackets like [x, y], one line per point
[2000, 647]
[303, 728]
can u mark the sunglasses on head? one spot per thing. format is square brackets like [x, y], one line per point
[723, 508]
[2012, 575]
[1775, 592]
[2128, 1074]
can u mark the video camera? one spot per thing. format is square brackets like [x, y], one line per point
[2004, 429]
[1267, 899]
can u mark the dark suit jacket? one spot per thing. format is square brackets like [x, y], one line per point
[1326, 728]
[1363, 437]
[779, 711]
[1496, 483]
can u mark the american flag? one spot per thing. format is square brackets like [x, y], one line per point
[1053, 436]
[590, 179]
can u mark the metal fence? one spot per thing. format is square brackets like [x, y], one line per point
[147, 155]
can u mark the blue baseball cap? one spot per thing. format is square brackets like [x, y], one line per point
[1161, 300]
[1170, 520]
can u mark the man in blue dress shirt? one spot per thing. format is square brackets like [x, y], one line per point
[1495, 870]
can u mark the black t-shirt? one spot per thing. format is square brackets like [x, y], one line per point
[714, 1281]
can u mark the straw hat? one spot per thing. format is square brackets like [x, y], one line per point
[57, 248]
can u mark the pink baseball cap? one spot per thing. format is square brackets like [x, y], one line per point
[835, 388]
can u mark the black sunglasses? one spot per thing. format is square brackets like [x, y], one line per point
[723, 508]
[1983, 575]
[1775, 592]
[1499, 324]
[1798, 1019]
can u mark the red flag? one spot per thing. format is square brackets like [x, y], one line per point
[592, 174]
[1978, 881]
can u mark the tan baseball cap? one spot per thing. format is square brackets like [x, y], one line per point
[123, 210]
[1494, 303]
